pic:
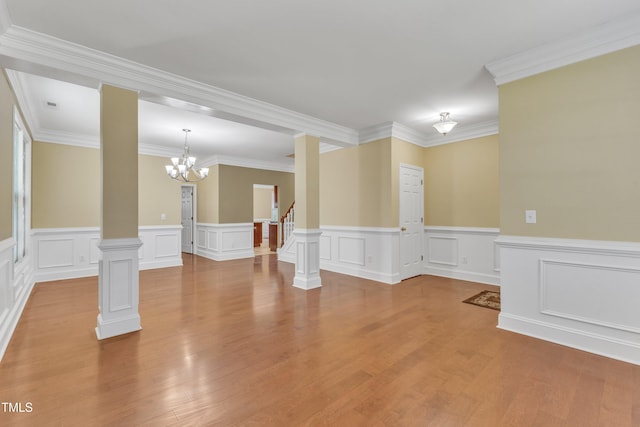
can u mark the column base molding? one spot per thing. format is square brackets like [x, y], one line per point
[118, 287]
[307, 269]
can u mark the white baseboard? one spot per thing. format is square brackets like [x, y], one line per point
[16, 285]
[464, 253]
[68, 253]
[578, 293]
[223, 242]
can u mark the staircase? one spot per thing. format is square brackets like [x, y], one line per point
[287, 223]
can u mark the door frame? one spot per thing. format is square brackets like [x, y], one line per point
[403, 272]
[194, 221]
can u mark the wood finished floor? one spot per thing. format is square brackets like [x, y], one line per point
[232, 343]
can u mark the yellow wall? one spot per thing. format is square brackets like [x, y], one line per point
[570, 149]
[208, 197]
[462, 187]
[65, 186]
[157, 193]
[72, 199]
[355, 186]
[262, 203]
[235, 190]
[7, 101]
[118, 162]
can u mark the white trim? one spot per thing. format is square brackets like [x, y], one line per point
[118, 287]
[16, 287]
[603, 345]
[248, 163]
[606, 38]
[464, 132]
[223, 242]
[463, 253]
[78, 250]
[366, 252]
[596, 247]
[579, 293]
[307, 265]
[410, 135]
[32, 47]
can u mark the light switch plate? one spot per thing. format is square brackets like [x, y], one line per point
[530, 217]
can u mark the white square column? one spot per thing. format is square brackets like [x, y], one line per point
[307, 275]
[118, 290]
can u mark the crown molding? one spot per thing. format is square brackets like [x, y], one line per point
[21, 90]
[463, 133]
[247, 163]
[28, 46]
[66, 138]
[606, 38]
[407, 134]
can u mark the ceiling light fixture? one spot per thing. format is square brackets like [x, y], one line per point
[181, 168]
[445, 124]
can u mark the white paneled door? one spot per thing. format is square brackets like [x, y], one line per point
[187, 219]
[411, 220]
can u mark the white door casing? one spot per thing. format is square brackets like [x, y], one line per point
[411, 206]
[187, 218]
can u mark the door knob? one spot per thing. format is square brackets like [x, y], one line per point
[403, 229]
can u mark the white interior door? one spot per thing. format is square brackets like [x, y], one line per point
[187, 219]
[411, 220]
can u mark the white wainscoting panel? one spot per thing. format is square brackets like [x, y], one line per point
[583, 294]
[66, 253]
[16, 283]
[222, 242]
[367, 252]
[465, 253]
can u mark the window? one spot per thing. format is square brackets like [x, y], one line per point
[21, 159]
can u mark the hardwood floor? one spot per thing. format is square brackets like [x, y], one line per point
[232, 343]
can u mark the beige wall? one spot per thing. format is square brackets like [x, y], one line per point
[355, 186]
[235, 193]
[262, 203]
[118, 162]
[62, 200]
[157, 193]
[208, 197]
[462, 185]
[570, 149]
[65, 197]
[7, 101]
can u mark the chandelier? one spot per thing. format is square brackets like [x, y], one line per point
[445, 124]
[184, 168]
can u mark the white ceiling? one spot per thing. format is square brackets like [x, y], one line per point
[355, 64]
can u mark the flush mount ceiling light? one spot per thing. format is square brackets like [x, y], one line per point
[445, 124]
[184, 168]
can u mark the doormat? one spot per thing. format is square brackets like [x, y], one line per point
[488, 299]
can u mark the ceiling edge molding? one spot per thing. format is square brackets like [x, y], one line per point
[247, 163]
[606, 38]
[21, 90]
[66, 138]
[36, 48]
[408, 134]
[154, 150]
[463, 133]
[375, 132]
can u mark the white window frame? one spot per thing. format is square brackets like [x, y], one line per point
[21, 222]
